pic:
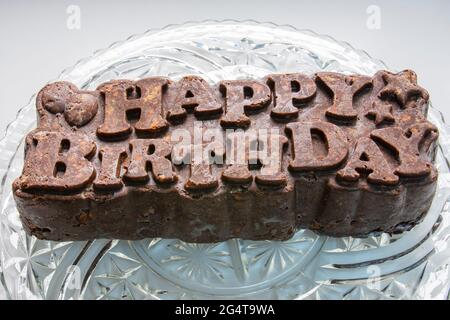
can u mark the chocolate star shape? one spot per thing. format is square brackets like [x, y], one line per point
[381, 112]
[402, 86]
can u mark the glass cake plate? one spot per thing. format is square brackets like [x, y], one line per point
[411, 265]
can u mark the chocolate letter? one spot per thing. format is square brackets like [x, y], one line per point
[155, 152]
[121, 96]
[241, 151]
[302, 141]
[343, 88]
[368, 158]
[290, 90]
[409, 145]
[201, 177]
[241, 96]
[57, 161]
[109, 175]
[271, 157]
[192, 92]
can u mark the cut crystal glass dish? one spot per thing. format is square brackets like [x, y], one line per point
[411, 265]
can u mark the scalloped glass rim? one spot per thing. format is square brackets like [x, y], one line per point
[329, 279]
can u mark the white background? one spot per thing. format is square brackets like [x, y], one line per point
[36, 44]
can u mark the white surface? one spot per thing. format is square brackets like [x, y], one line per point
[36, 43]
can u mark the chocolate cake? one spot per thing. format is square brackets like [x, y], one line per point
[343, 155]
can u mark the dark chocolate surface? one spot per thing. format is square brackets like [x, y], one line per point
[354, 157]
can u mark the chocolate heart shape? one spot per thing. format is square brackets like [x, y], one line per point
[56, 95]
[53, 104]
[80, 109]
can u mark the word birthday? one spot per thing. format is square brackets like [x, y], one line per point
[269, 131]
